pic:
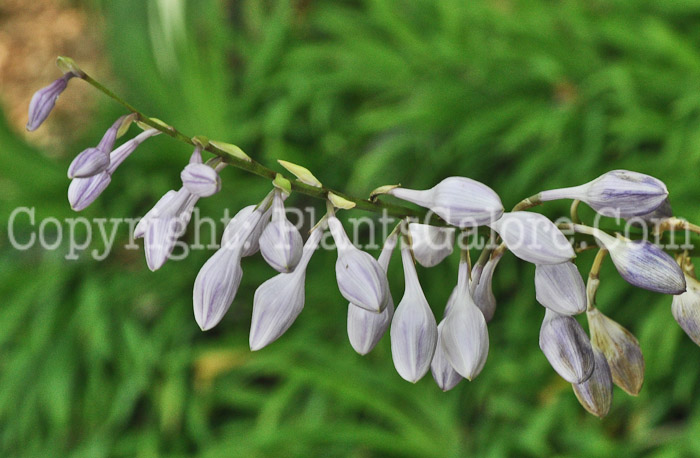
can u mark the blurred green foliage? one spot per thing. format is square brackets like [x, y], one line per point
[105, 359]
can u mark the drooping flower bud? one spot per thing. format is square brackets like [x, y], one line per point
[596, 393]
[92, 161]
[460, 201]
[464, 337]
[443, 373]
[686, 309]
[533, 238]
[559, 287]
[643, 264]
[281, 243]
[201, 180]
[366, 328]
[567, 347]
[413, 329]
[481, 287]
[157, 209]
[431, 244]
[620, 348]
[616, 193]
[361, 279]
[280, 300]
[44, 100]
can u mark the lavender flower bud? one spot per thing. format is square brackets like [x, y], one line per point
[251, 245]
[481, 287]
[616, 193]
[620, 348]
[165, 226]
[366, 328]
[361, 279]
[596, 393]
[567, 347]
[533, 238]
[280, 300]
[281, 243]
[413, 329]
[686, 309]
[92, 161]
[200, 180]
[460, 201]
[157, 209]
[44, 100]
[431, 244]
[559, 287]
[443, 373]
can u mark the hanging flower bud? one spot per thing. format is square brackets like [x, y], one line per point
[95, 160]
[431, 244]
[413, 329]
[533, 238]
[366, 328]
[280, 300]
[567, 347]
[443, 373]
[616, 193]
[596, 393]
[361, 279]
[44, 100]
[251, 245]
[281, 243]
[481, 287]
[201, 180]
[620, 348]
[559, 287]
[465, 338]
[83, 191]
[162, 203]
[686, 309]
[643, 264]
[460, 201]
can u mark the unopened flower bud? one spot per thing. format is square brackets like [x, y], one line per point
[44, 100]
[95, 160]
[460, 201]
[281, 243]
[616, 193]
[431, 244]
[620, 348]
[443, 373]
[686, 309]
[165, 226]
[200, 180]
[567, 347]
[413, 329]
[596, 393]
[361, 279]
[481, 287]
[533, 238]
[559, 287]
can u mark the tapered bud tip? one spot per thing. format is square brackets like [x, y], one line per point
[361, 280]
[201, 180]
[44, 100]
[276, 305]
[567, 347]
[88, 163]
[83, 191]
[215, 287]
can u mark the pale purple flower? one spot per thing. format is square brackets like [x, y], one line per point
[251, 245]
[92, 161]
[431, 244]
[200, 179]
[686, 309]
[44, 100]
[567, 347]
[443, 373]
[559, 287]
[281, 243]
[481, 287]
[596, 393]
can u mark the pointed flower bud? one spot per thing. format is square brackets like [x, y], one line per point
[44, 100]
[251, 245]
[361, 279]
[366, 328]
[596, 393]
[95, 160]
[431, 244]
[460, 201]
[620, 348]
[559, 287]
[281, 243]
[413, 329]
[280, 300]
[616, 193]
[533, 238]
[481, 287]
[643, 264]
[686, 309]
[443, 373]
[465, 338]
[201, 180]
[567, 347]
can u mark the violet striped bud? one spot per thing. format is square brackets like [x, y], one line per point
[200, 180]
[361, 279]
[92, 161]
[481, 287]
[366, 328]
[460, 201]
[413, 329]
[643, 264]
[281, 243]
[533, 238]
[431, 244]
[44, 100]
[616, 193]
[567, 347]
[280, 300]
[443, 373]
[596, 393]
[620, 348]
[559, 287]
[686, 309]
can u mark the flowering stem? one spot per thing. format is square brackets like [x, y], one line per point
[594, 279]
